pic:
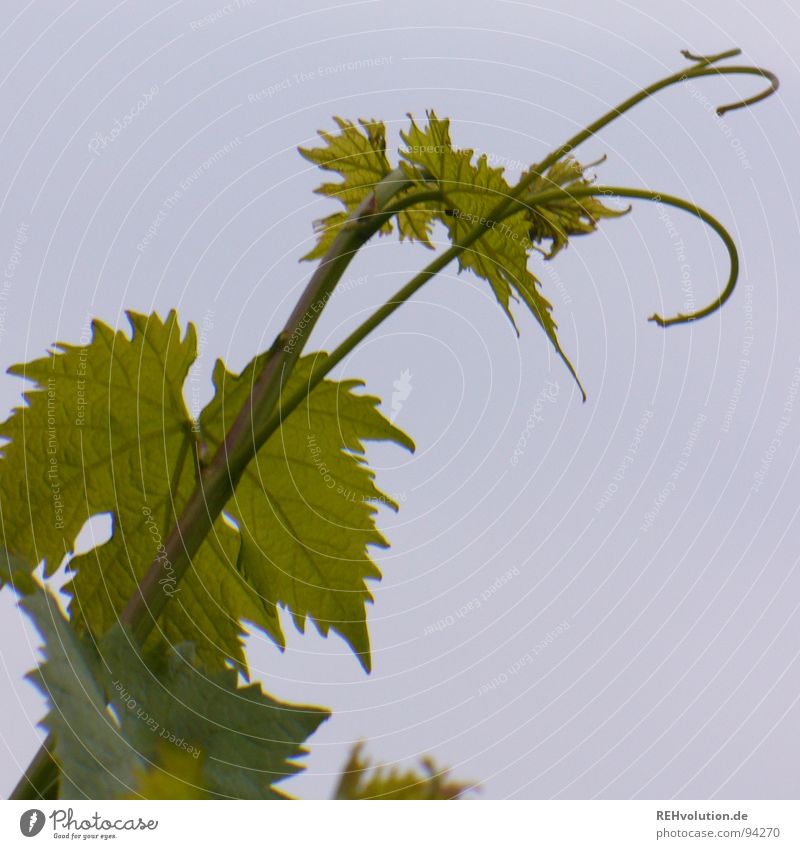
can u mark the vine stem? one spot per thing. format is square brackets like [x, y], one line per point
[246, 435]
[258, 418]
[248, 432]
[252, 425]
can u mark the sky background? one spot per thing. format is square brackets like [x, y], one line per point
[634, 558]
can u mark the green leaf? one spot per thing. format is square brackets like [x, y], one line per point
[106, 430]
[415, 223]
[559, 219]
[16, 572]
[100, 432]
[359, 157]
[361, 781]
[208, 607]
[473, 190]
[244, 740]
[306, 506]
[177, 730]
[176, 775]
[96, 762]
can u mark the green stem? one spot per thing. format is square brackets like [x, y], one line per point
[256, 420]
[241, 443]
[248, 431]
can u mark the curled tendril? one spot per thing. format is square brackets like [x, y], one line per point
[670, 200]
[774, 84]
[702, 68]
[715, 57]
[739, 104]
[599, 161]
[704, 65]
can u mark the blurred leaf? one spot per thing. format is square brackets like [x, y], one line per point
[176, 775]
[96, 762]
[241, 741]
[244, 740]
[360, 780]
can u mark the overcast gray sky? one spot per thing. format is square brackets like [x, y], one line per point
[634, 558]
